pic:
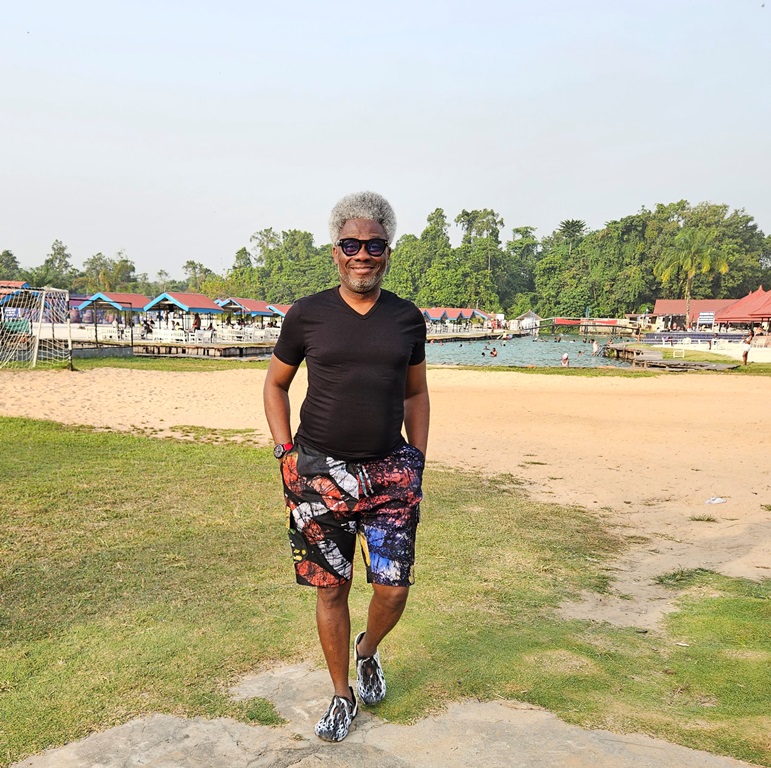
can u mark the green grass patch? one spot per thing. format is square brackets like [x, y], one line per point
[140, 575]
[682, 577]
[182, 364]
[587, 373]
[700, 354]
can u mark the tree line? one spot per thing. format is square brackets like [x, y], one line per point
[677, 250]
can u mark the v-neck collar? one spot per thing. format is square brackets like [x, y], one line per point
[368, 313]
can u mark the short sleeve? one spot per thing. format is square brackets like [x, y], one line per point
[419, 347]
[290, 347]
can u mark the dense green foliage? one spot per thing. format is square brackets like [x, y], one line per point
[676, 250]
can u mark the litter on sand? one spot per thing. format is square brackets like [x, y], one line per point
[715, 500]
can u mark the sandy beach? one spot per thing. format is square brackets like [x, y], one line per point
[645, 454]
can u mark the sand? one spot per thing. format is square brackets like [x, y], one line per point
[644, 454]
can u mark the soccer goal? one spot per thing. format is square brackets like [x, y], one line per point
[34, 326]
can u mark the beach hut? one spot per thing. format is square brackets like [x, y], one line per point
[456, 317]
[184, 303]
[14, 284]
[251, 307]
[477, 314]
[125, 304]
[279, 309]
[763, 311]
[670, 312]
[528, 321]
[741, 312]
[434, 318]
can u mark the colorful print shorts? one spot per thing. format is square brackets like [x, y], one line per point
[330, 503]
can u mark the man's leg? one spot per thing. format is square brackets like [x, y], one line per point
[385, 610]
[333, 622]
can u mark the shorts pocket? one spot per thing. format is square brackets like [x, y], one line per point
[416, 452]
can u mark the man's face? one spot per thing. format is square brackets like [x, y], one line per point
[361, 273]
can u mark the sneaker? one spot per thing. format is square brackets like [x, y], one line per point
[336, 723]
[370, 680]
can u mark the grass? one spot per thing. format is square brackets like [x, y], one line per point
[222, 364]
[681, 577]
[698, 355]
[168, 363]
[587, 373]
[140, 575]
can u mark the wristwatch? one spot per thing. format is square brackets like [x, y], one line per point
[281, 449]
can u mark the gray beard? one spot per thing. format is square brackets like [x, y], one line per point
[362, 284]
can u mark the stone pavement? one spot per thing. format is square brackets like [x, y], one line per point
[494, 734]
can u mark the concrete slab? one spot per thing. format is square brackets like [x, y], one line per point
[492, 734]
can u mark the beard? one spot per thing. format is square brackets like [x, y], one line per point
[363, 283]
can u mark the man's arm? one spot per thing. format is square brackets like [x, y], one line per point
[417, 407]
[275, 396]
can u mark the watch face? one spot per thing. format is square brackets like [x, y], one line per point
[279, 451]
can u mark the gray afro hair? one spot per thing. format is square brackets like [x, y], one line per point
[362, 205]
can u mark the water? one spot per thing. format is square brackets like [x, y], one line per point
[519, 352]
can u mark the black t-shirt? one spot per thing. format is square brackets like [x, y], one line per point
[357, 371]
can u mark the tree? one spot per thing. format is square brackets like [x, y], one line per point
[694, 252]
[242, 259]
[765, 262]
[56, 271]
[104, 274]
[413, 256]
[196, 273]
[290, 266]
[163, 280]
[620, 266]
[572, 230]
[480, 223]
[9, 267]
[518, 274]
[405, 273]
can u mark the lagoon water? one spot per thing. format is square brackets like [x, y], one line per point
[519, 352]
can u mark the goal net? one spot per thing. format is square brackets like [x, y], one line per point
[34, 326]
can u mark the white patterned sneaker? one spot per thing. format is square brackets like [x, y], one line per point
[336, 723]
[370, 680]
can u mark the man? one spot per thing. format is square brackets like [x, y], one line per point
[348, 472]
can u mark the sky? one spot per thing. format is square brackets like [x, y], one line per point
[175, 130]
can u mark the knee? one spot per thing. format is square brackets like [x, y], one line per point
[333, 597]
[393, 598]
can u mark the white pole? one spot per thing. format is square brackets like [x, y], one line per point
[39, 328]
[69, 328]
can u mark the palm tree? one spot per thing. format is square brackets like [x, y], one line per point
[695, 252]
[572, 230]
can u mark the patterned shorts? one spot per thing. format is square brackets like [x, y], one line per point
[330, 503]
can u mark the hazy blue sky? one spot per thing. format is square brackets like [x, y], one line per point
[174, 130]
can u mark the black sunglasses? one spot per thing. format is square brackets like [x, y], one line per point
[350, 246]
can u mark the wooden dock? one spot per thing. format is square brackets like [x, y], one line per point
[652, 358]
[163, 349]
[147, 348]
[475, 336]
